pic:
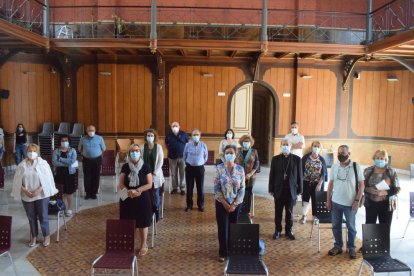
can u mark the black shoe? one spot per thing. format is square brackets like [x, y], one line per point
[174, 191]
[93, 196]
[290, 236]
[182, 193]
[201, 209]
[87, 197]
[276, 235]
[188, 209]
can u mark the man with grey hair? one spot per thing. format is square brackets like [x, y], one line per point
[343, 199]
[195, 156]
[285, 184]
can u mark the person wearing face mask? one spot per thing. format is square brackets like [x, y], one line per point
[2, 148]
[296, 139]
[20, 144]
[228, 140]
[91, 147]
[379, 200]
[343, 199]
[195, 156]
[65, 161]
[248, 158]
[136, 178]
[229, 187]
[285, 184]
[153, 156]
[175, 142]
[33, 184]
[315, 174]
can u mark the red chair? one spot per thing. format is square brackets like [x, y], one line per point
[120, 250]
[5, 238]
[107, 169]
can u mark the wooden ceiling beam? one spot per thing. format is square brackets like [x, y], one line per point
[108, 51]
[233, 54]
[22, 34]
[328, 57]
[183, 52]
[306, 55]
[131, 51]
[208, 53]
[392, 41]
[281, 55]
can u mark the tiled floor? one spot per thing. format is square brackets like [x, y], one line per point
[400, 248]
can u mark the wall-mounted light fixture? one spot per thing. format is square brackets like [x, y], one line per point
[208, 75]
[286, 95]
[105, 73]
[306, 77]
[392, 78]
[357, 75]
[221, 94]
[29, 72]
[52, 70]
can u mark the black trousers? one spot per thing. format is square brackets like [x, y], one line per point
[195, 173]
[223, 226]
[309, 192]
[247, 200]
[374, 210]
[91, 174]
[284, 201]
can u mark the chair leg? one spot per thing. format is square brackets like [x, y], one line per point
[58, 226]
[311, 233]
[252, 204]
[162, 205]
[405, 231]
[64, 220]
[360, 268]
[76, 201]
[153, 231]
[319, 238]
[13, 266]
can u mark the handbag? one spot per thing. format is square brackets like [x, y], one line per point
[56, 205]
[362, 200]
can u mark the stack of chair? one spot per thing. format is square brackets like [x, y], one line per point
[45, 139]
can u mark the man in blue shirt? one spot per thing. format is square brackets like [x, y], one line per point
[91, 147]
[195, 156]
[175, 142]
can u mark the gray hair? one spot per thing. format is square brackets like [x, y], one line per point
[346, 147]
[195, 129]
[286, 140]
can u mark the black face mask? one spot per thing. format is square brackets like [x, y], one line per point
[342, 158]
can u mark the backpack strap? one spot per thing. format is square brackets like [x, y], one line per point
[356, 176]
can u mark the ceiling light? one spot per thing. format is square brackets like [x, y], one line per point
[209, 75]
[306, 77]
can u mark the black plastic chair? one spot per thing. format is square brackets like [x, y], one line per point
[243, 251]
[5, 238]
[411, 219]
[323, 216]
[244, 215]
[376, 250]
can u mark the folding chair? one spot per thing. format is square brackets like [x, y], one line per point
[411, 212]
[244, 215]
[107, 169]
[243, 251]
[376, 250]
[166, 171]
[120, 250]
[323, 216]
[60, 213]
[5, 239]
[153, 230]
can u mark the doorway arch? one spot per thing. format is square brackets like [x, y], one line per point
[252, 109]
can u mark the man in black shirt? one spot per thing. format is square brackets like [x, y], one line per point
[285, 184]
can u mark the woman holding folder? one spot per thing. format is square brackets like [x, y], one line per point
[134, 181]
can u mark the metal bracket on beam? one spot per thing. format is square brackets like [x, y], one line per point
[5, 56]
[349, 65]
[400, 60]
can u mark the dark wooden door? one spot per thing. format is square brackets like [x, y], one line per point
[260, 125]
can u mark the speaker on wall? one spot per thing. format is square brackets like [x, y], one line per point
[4, 94]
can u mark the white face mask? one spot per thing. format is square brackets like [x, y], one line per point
[294, 130]
[175, 129]
[32, 155]
[91, 133]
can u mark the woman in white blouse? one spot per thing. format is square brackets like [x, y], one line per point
[33, 184]
[229, 139]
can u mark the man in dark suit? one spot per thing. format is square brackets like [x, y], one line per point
[285, 184]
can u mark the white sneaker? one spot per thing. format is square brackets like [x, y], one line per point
[68, 213]
[303, 221]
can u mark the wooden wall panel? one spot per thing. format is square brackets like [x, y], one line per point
[382, 108]
[282, 81]
[193, 100]
[125, 98]
[87, 94]
[34, 96]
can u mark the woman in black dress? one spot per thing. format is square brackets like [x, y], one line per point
[136, 177]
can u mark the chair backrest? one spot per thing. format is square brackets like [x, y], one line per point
[412, 204]
[375, 240]
[123, 144]
[108, 163]
[5, 232]
[243, 240]
[321, 210]
[166, 168]
[64, 128]
[210, 157]
[78, 129]
[139, 141]
[120, 236]
[48, 128]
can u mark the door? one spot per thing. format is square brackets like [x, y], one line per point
[241, 111]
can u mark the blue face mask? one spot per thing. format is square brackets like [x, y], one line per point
[229, 135]
[135, 155]
[150, 139]
[65, 144]
[246, 145]
[230, 157]
[196, 138]
[285, 149]
[316, 150]
[379, 163]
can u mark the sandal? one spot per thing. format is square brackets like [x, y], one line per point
[143, 251]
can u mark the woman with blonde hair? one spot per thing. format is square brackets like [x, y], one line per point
[33, 184]
[381, 185]
[134, 181]
[153, 156]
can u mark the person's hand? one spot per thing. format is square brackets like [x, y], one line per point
[382, 193]
[130, 193]
[355, 206]
[248, 176]
[270, 193]
[138, 192]
[36, 192]
[329, 205]
[29, 193]
[318, 187]
[232, 208]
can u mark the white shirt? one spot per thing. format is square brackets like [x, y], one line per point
[31, 181]
[344, 186]
[294, 139]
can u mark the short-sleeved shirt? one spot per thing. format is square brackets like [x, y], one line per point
[344, 186]
[294, 139]
[92, 147]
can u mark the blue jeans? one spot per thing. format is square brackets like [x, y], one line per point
[338, 211]
[21, 153]
[157, 203]
[38, 209]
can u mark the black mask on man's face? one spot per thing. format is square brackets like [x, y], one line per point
[343, 158]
